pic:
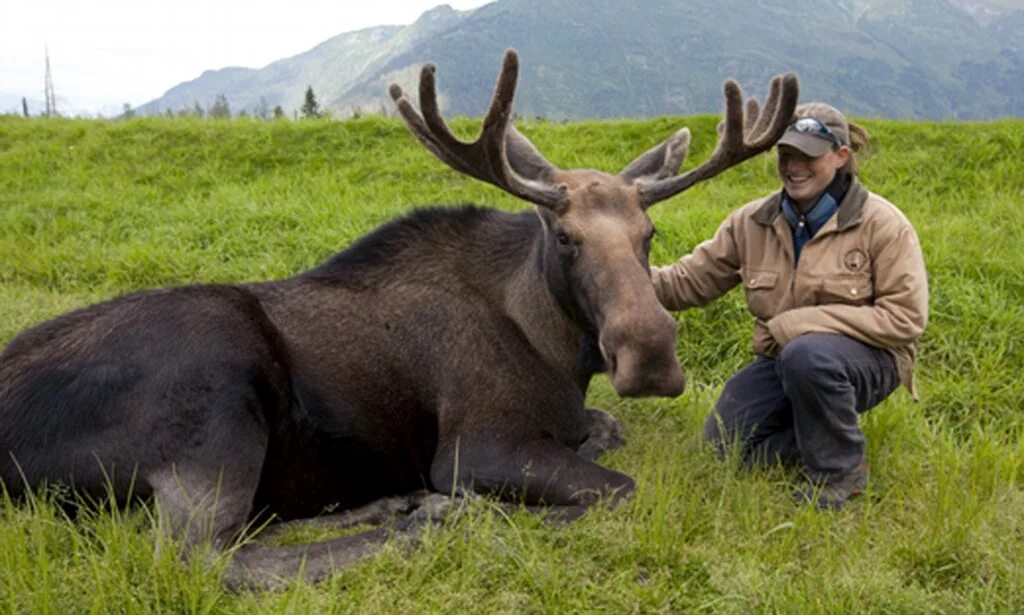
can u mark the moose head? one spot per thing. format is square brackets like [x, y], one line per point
[597, 232]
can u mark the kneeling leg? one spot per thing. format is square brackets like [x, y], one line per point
[255, 566]
[204, 494]
[542, 471]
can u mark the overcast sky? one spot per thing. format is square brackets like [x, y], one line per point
[104, 54]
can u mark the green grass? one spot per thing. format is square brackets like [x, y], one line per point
[90, 210]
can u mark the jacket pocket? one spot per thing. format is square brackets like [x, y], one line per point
[849, 289]
[759, 285]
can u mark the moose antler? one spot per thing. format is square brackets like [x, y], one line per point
[744, 133]
[498, 152]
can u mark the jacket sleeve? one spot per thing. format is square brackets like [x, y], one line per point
[897, 316]
[707, 273]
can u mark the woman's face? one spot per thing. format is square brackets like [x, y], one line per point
[806, 178]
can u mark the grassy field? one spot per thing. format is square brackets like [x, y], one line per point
[90, 210]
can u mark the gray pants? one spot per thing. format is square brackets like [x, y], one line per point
[802, 407]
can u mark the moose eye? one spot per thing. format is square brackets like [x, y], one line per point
[563, 238]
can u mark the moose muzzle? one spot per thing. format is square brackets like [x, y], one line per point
[641, 355]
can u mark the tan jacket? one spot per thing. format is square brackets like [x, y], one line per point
[862, 275]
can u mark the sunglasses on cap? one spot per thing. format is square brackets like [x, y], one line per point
[814, 126]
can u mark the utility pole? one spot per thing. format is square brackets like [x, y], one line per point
[51, 98]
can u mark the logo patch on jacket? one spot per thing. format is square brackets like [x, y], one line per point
[855, 260]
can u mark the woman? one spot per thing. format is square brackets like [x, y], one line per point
[835, 279]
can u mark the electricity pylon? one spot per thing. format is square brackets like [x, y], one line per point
[51, 97]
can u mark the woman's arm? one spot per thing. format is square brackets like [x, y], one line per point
[707, 273]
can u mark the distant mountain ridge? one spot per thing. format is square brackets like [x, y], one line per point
[934, 59]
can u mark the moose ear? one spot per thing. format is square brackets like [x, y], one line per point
[524, 157]
[660, 161]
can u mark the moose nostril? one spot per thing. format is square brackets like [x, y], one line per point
[612, 362]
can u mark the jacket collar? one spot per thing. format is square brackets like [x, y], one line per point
[850, 209]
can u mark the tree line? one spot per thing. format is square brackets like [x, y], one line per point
[221, 109]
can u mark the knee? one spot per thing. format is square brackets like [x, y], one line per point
[722, 438]
[807, 359]
[713, 428]
[729, 419]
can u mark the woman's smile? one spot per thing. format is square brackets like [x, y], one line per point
[806, 178]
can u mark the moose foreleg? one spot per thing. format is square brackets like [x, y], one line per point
[539, 472]
[255, 566]
[374, 513]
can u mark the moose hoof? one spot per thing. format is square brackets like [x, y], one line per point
[605, 434]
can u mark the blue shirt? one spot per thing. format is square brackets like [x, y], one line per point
[805, 226]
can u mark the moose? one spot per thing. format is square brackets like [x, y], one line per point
[447, 351]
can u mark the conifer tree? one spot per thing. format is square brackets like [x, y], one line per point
[220, 108]
[263, 109]
[310, 106]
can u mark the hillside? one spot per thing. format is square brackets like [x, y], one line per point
[959, 59]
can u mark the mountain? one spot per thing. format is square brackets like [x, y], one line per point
[334, 66]
[959, 59]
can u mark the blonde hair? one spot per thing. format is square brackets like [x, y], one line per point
[859, 137]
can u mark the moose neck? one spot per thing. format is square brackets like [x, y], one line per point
[539, 299]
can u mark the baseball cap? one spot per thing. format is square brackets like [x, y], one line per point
[816, 128]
